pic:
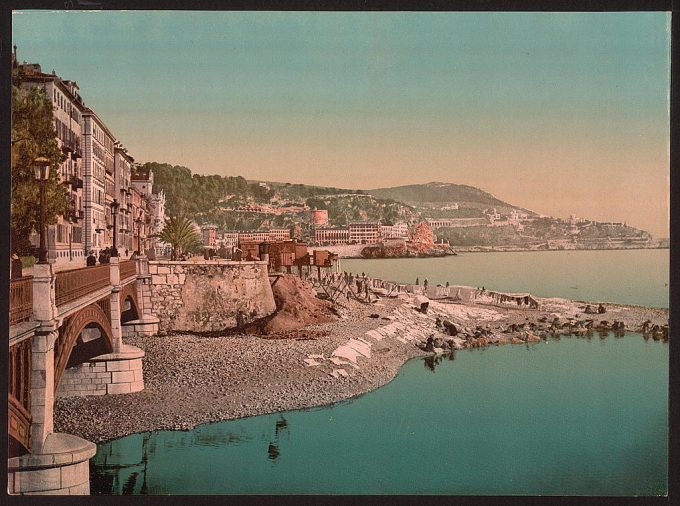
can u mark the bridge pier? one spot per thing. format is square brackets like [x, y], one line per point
[42, 388]
[113, 373]
[60, 468]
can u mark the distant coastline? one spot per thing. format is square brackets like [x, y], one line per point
[354, 250]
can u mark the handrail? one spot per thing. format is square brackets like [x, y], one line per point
[21, 299]
[76, 283]
[128, 268]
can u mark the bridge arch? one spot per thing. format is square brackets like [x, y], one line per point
[128, 294]
[94, 316]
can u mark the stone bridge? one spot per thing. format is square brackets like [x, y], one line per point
[65, 338]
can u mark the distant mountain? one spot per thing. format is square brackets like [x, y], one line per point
[416, 194]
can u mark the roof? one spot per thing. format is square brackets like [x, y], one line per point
[141, 174]
[90, 112]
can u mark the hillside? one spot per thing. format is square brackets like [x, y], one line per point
[234, 203]
[438, 193]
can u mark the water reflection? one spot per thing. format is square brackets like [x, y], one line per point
[273, 450]
[122, 474]
[432, 361]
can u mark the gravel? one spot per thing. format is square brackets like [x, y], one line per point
[194, 379]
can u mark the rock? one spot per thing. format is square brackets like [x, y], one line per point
[516, 340]
[532, 338]
[450, 328]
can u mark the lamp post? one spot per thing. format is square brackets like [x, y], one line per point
[114, 213]
[41, 167]
[138, 221]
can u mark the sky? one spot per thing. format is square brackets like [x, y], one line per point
[559, 113]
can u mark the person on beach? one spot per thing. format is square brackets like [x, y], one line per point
[417, 281]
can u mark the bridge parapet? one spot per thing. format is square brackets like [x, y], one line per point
[20, 300]
[77, 283]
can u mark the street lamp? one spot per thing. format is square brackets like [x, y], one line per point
[41, 166]
[114, 213]
[138, 221]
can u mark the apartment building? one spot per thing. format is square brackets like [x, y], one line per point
[98, 142]
[65, 238]
[122, 168]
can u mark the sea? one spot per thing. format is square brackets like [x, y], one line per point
[566, 416]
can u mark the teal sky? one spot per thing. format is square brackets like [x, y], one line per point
[557, 112]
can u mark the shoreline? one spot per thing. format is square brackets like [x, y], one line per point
[485, 249]
[191, 379]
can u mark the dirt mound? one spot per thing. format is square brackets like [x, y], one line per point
[296, 306]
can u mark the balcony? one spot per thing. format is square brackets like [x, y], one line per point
[76, 183]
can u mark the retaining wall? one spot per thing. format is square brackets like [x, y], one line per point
[206, 296]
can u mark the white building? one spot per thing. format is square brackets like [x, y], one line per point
[396, 231]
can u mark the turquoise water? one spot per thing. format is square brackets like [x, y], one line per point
[573, 417]
[624, 276]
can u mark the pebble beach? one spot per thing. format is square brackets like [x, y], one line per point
[194, 379]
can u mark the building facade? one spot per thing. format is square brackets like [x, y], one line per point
[364, 232]
[65, 238]
[209, 236]
[395, 231]
[331, 235]
[122, 167]
[98, 144]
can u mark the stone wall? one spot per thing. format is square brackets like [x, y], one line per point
[206, 296]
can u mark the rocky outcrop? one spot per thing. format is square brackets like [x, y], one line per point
[420, 244]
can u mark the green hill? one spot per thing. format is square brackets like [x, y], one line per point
[423, 194]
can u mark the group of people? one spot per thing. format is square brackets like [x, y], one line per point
[210, 253]
[105, 256]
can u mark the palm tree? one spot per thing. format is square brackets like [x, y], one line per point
[180, 233]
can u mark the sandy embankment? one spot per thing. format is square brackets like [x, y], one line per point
[192, 379]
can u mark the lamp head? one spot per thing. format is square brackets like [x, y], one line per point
[41, 168]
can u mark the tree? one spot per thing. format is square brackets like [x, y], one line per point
[180, 233]
[33, 135]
